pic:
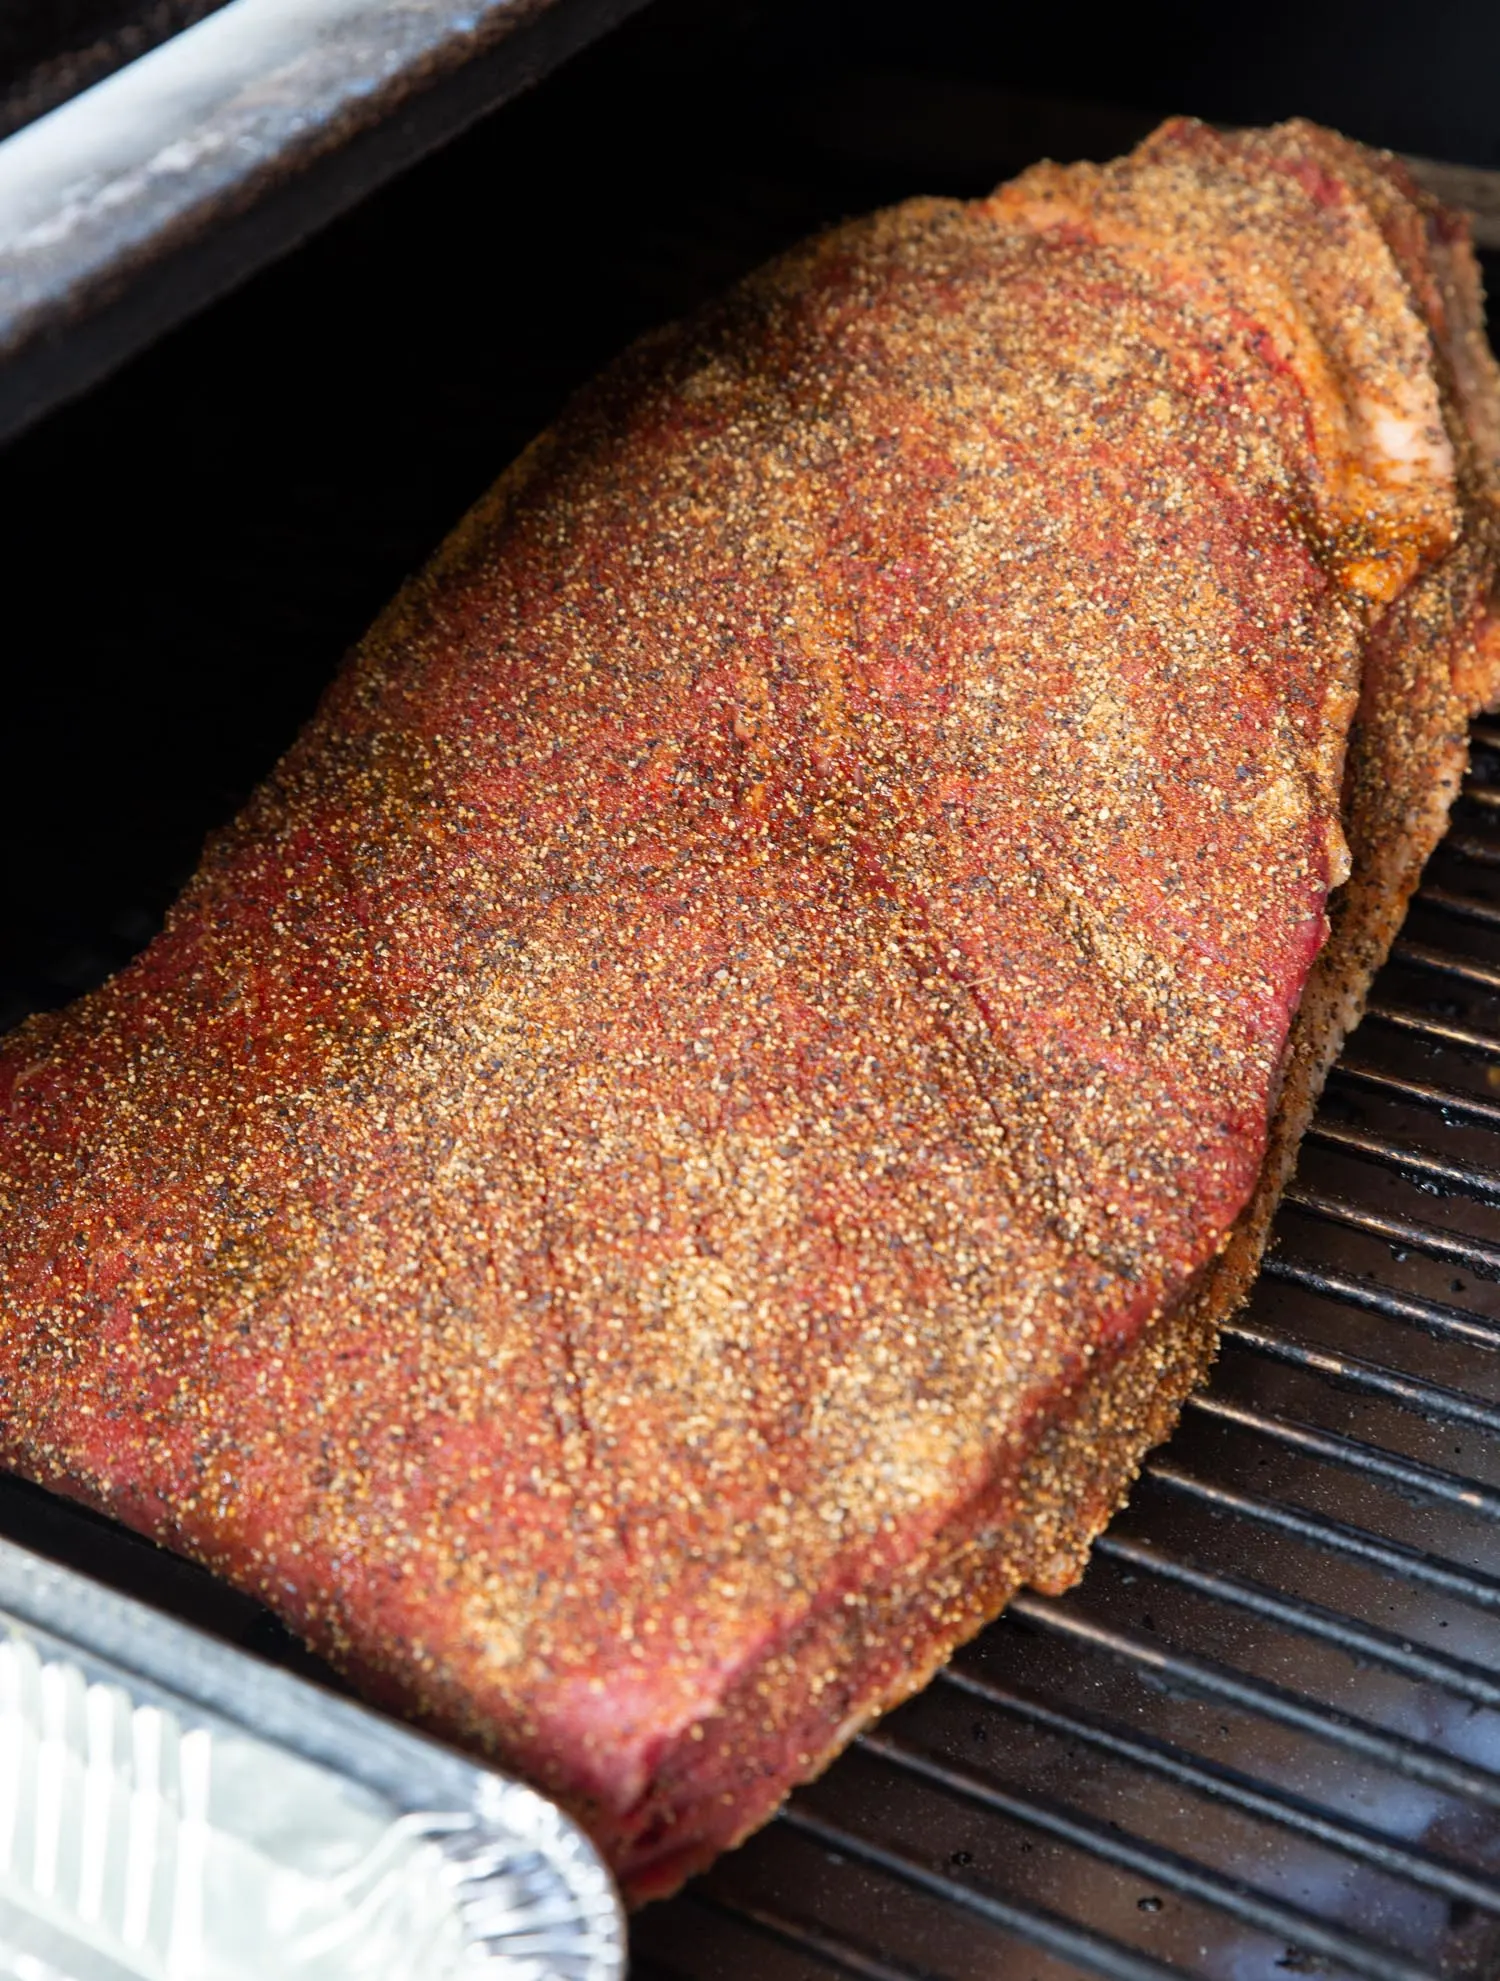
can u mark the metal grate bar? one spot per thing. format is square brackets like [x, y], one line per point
[1437, 1031]
[1240, 1791]
[1434, 1401]
[1360, 1641]
[1448, 1578]
[1485, 735]
[1404, 1475]
[804, 1937]
[1484, 852]
[1455, 1246]
[1054, 1934]
[1429, 1315]
[1248, 1903]
[1206, 1678]
[1396, 1155]
[1420, 1093]
[1467, 907]
[1484, 795]
[1423, 956]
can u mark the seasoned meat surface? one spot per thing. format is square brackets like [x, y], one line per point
[704, 1115]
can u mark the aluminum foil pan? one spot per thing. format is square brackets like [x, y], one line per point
[171, 1809]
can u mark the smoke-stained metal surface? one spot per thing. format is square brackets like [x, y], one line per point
[176, 177]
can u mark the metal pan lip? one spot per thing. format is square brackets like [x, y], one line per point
[115, 1637]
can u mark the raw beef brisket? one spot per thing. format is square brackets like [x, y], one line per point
[706, 1114]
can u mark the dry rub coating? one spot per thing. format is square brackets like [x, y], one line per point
[706, 1114]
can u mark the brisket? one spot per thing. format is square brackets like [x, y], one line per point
[709, 1110]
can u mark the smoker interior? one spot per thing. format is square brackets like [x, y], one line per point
[1263, 1736]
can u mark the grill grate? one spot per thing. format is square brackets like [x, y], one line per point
[1263, 1735]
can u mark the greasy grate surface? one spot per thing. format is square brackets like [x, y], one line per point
[1263, 1735]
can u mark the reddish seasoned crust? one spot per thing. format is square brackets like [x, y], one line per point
[706, 1113]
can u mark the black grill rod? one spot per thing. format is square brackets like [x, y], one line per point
[1218, 1783]
[1434, 1402]
[1319, 1530]
[1443, 963]
[1363, 1642]
[1486, 796]
[1457, 1178]
[1465, 907]
[1486, 735]
[1155, 1862]
[1402, 1475]
[804, 1937]
[1418, 1093]
[1033, 1923]
[1483, 852]
[1431, 1316]
[1436, 1031]
[1205, 1678]
[1453, 1247]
